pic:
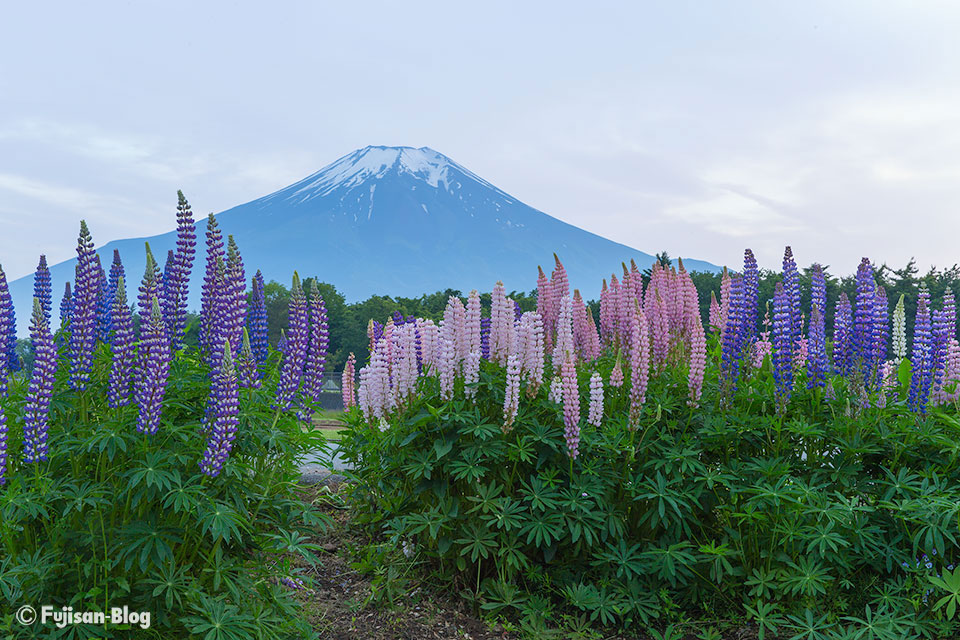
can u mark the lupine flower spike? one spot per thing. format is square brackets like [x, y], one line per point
[151, 382]
[121, 369]
[37, 409]
[295, 351]
[83, 320]
[248, 376]
[223, 411]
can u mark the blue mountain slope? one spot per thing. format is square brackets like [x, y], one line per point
[389, 220]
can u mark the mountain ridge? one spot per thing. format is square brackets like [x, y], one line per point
[398, 221]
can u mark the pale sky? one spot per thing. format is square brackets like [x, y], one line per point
[699, 128]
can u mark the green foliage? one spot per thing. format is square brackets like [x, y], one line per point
[115, 518]
[821, 523]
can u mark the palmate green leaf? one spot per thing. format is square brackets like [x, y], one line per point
[147, 544]
[173, 583]
[540, 495]
[949, 581]
[152, 473]
[220, 621]
[220, 521]
[478, 541]
[544, 528]
[628, 561]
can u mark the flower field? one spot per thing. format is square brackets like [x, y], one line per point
[136, 471]
[648, 471]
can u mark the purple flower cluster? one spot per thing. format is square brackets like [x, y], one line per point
[750, 299]
[862, 348]
[104, 304]
[842, 338]
[295, 352]
[817, 365]
[223, 409]
[791, 287]
[317, 347]
[3, 447]
[66, 306]
[881, 333]
[732, 331]
[151, 384]
[121, 369]
[83, 329]
[177, 282]
[783, 345]
[485, 338]
[234, 310]
[257, 320]
[37, 408]
[248, 375]
[208, 295]
[922, 356]
[8, 329]
[43, 288]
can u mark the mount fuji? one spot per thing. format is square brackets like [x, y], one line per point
[394, 221]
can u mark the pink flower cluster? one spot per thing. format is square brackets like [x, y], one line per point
[595, 413]
[571, 406]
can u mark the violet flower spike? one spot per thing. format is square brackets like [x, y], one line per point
[154, 369]
[317, 347]
[223, 412]
[248, 375]
[124, 355]
[83, 324]
[42, 288]
[3, 447]
[66, 306]
[257, 320]
[7, 330]
[36, 411]
[295, 353]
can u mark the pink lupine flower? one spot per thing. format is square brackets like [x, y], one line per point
[471, 373]
[379, 395]
[347, 382]
[616, 374]
[429, 336]
[405, 373]
[501, 331]
[455, 319]
[716, 320]
[639, 365]
[545, 305]
[800, 357]
[556, 390]
[762, 348]
[725, 284]
[698, 363]
[473, 322]
[595, 414]
[605, 313]
[529, 346]
[564, 341]
[511, 399]
[571, 405]
[581, 336]
[592, 345]
[617, 329]
[558, 279]
[446, 359]
[658, 322]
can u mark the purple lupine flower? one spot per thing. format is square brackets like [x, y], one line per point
[223, 409]
[121, 368]
[842, 338]
[104, 304]
[291, 371]
[66, 306]
[732, 347]
[517, 311]
[817, 365]
[168, 284]
[485, 338]
[7, 329]
[257, 320]
[177, 274]
[783, 347]
[149, 289]
[881, 332]
[317, 347]
[922, 356]
[209, 288]
[236, 310]
[36, 411]
[43, 288]
[282, 342]
[863, 350]
[791, 287]
[750, 299]
[151, 384]
[939, 346]
[221, 313]
[83, 321]
[248, 376]
[3, 447]
[116, 272]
